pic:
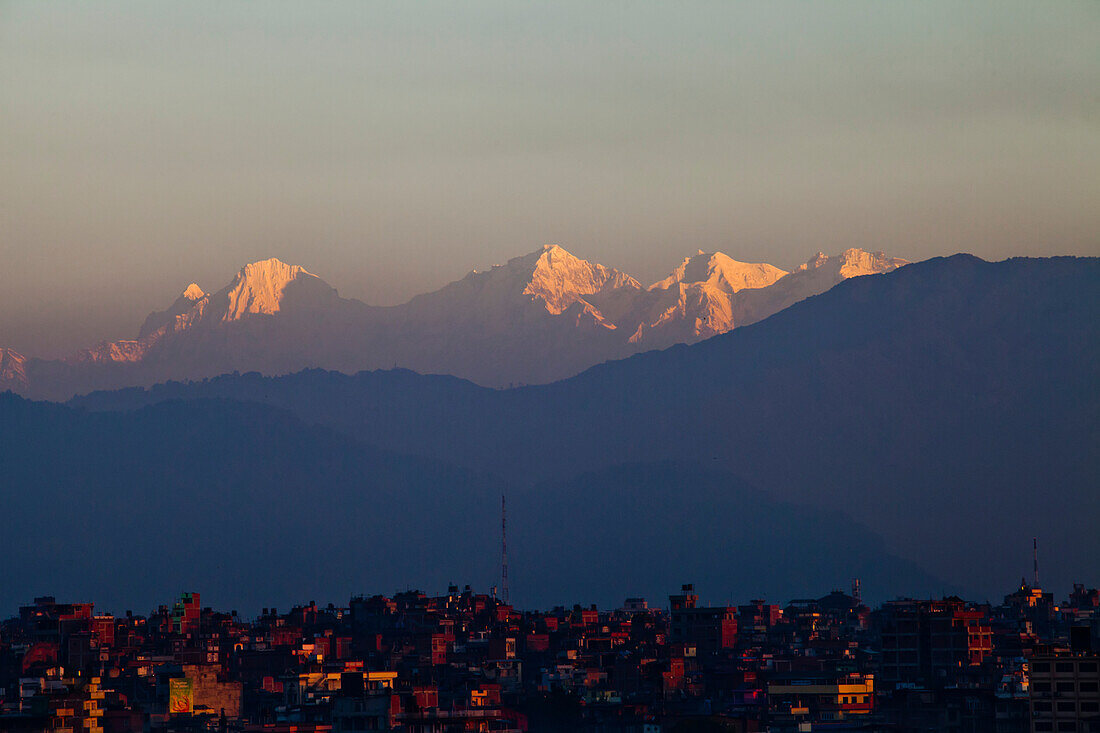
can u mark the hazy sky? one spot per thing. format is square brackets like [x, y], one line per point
[392, 147]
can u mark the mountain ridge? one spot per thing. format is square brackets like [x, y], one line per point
[542, 316]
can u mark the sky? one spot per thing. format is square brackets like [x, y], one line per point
[392, 147]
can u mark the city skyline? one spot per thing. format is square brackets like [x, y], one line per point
[465, 660]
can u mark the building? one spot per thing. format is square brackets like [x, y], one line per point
[707, 629]
[932, 642]
[806, 697]
[1065, 692]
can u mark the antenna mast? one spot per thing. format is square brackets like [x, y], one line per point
[503, 549]
[1035, 558]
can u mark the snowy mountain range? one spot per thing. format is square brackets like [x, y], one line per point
[538, 318]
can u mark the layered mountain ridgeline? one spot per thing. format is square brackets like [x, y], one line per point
[258, 508]
[540, 317]
[952, 405]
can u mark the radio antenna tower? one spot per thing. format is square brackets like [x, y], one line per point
[1035, 558]
[503, 549]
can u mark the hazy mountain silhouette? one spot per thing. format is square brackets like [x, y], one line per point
[537, 318]
[255, 508]
[951, 405]
[654, 526]
[241, 501]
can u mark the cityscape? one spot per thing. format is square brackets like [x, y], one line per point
[470, 661]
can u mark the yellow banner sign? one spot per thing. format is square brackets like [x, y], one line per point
[181, 696]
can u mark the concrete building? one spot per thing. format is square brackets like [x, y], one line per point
[1065, 692]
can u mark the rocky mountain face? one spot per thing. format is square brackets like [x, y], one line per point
[188, 300]
[536, 319]
[698, 300]
[13, 370]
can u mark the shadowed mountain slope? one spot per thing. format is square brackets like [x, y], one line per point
[253, 507]
[242, 501]
[662, 524]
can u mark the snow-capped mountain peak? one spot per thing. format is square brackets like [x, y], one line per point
[696, 300]
[193, 292]
[259, 288]
[191, 298]
[718, 270]
[854, 262]
[559, 278]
